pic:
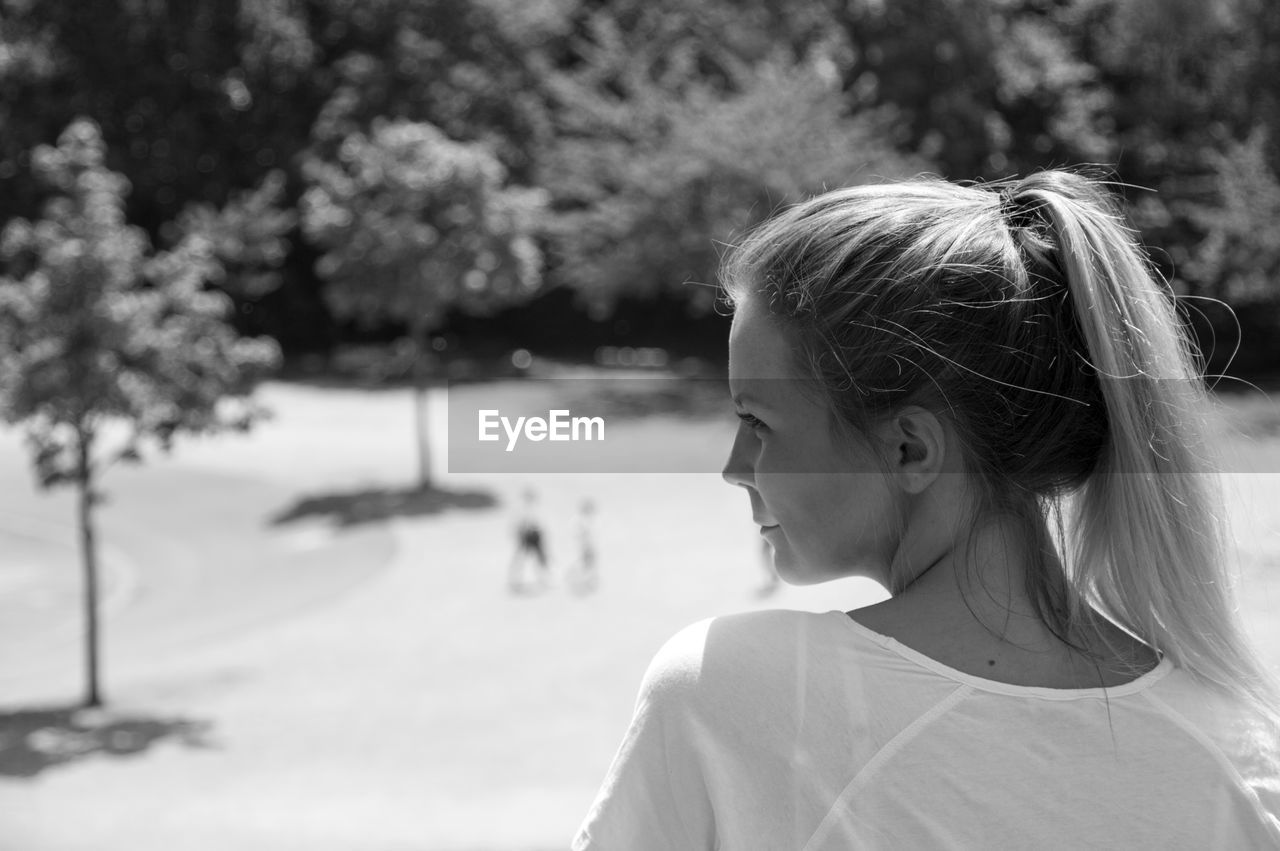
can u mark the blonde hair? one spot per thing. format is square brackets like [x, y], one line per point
[1027, 312]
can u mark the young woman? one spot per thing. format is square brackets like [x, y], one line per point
[983, 399]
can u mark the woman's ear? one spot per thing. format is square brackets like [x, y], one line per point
[916, 440]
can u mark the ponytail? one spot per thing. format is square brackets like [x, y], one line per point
[1147, 541]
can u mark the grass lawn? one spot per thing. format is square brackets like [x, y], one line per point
[347, 669]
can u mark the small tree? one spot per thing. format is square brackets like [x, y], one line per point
[105, 347]
[413, 223]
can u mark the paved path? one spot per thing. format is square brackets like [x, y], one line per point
[403, 699]
[188, 555]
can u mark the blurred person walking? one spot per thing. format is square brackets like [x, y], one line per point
[530, 546]
[584, 575]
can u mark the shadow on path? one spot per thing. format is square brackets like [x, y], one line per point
[33, 740]
[375, 504]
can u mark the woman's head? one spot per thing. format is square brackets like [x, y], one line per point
[948, 298]
[822, 501]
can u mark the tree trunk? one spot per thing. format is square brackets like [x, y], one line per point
[421, 428]
[421, 381]
[89, 557]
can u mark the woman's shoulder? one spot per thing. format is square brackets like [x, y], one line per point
[768, 682]
[745, 636]
[750, 652]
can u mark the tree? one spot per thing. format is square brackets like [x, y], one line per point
[249, 236]
[986, 88]
[106, 347]
[1237, 263]
[413, 223]
[670, 142]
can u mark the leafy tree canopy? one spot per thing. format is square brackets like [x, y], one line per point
[658, 129]
[414, 223]
[97, 329]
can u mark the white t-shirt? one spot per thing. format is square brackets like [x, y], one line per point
[786, 730]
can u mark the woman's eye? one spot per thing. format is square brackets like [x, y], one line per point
[751, 421]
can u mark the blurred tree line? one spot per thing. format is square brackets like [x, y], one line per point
[378, 169]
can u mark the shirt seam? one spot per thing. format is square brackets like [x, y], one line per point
[1216, 752]
[933, 666]
[887, 751]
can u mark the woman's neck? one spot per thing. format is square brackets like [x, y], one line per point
[970, 609]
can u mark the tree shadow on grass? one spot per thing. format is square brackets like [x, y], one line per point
[33, 740]
[375, 504]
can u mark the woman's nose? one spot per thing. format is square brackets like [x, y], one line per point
[737, 467]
